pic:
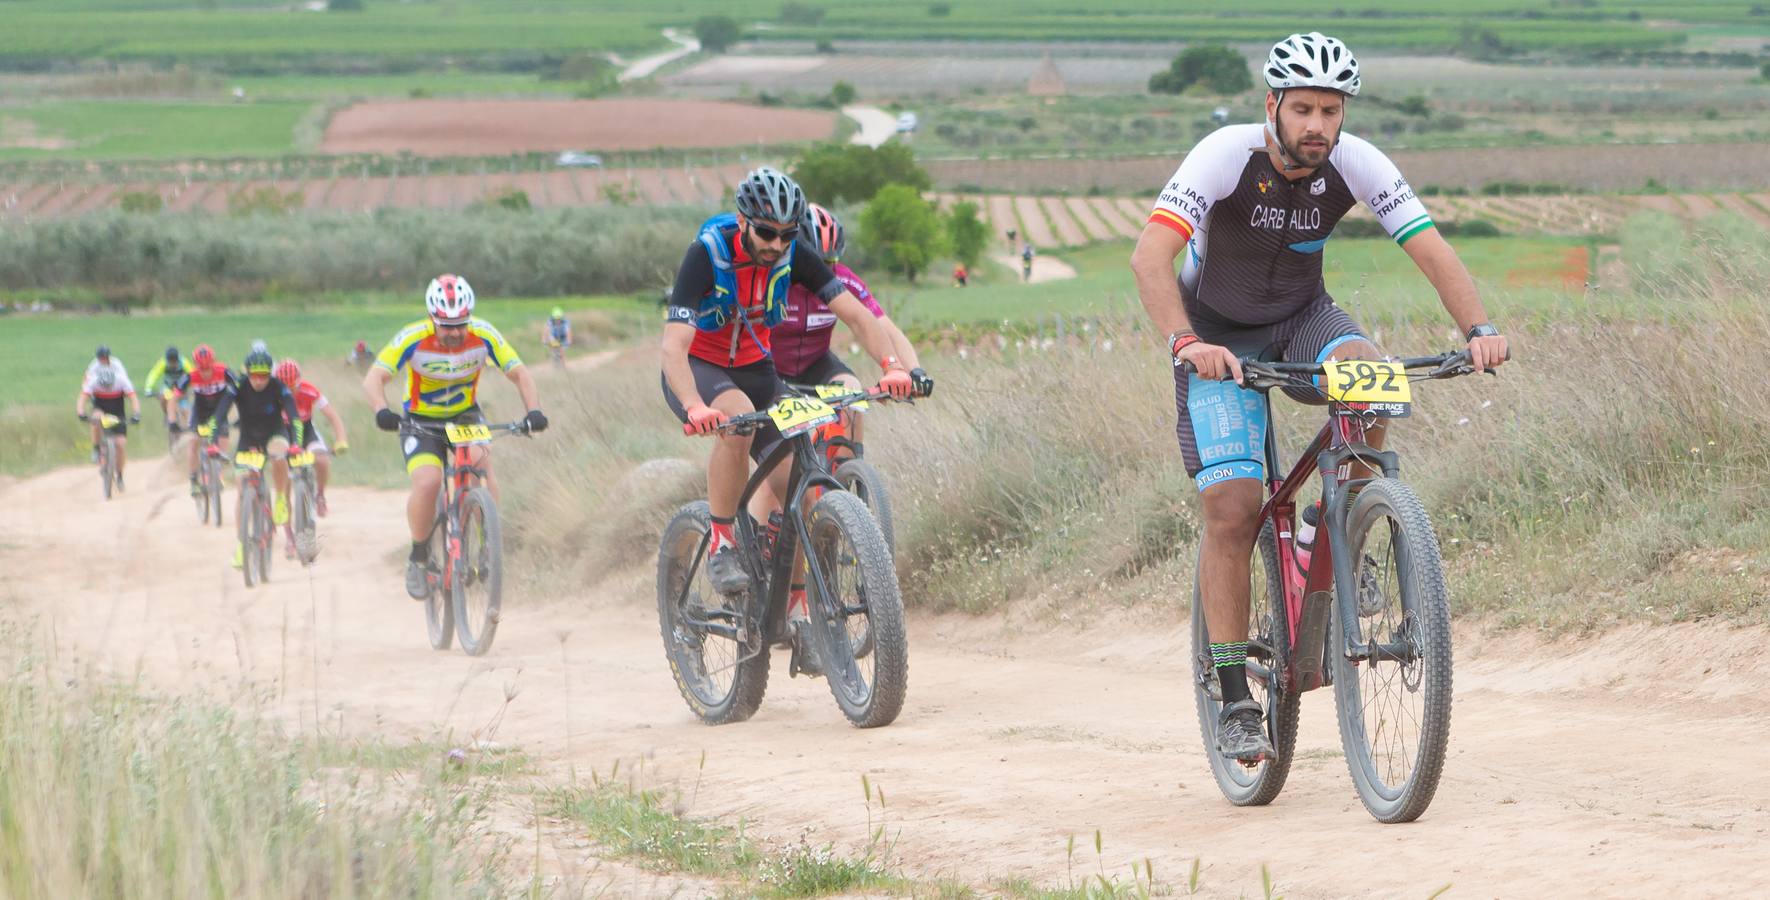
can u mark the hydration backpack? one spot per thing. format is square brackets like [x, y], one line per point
[721, 305]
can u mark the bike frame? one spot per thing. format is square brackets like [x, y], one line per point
[460, 475]
[1329, 581]
[801, 479]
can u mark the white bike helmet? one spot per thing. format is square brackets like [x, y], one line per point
[1312, 60]
[449, 300]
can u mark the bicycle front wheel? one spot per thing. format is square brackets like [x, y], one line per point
[107, 472]
[1269, 640]
[248, 524]
[857, 604]
[212, 486]
[439, 607]
[304, 517]
[714, 645]
[1392, 685]
[477, 585]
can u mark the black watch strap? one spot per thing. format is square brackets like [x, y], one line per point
[1483, 329]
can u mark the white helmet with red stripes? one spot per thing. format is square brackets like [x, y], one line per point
[449, 300]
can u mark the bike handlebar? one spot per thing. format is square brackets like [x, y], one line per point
[1264, 375]
[750, 422]
[520, 426]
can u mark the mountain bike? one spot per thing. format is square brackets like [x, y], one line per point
[718, 646]
[254, 517]
[107, 451]
[208, 498]
[466, 566]
[304, 516]
[1368, 612]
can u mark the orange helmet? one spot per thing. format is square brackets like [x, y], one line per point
[288, 372]
[824, 231]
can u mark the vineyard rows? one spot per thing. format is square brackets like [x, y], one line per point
[1046, 221]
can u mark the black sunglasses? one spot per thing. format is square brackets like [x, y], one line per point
[774, 234]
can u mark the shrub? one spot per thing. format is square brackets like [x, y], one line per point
[717, 33]
[903, 229]
[836, 173]
[966, 232]
[1219, 69]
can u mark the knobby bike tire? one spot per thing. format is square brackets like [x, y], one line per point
[212, 482]
[685, 647]
[478, 573]
[246, 525]
[439, 607]
[107, 472]
[304, 516]
[864, 481]
[1363, 689]
[1269, 627]
[844, 531]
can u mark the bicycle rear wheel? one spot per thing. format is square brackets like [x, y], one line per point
[477, 585]
[714, 644]
[859, 600]
[439, 604]
[1269, 642]
[1394, 700]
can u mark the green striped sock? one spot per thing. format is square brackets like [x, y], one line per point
[1234, 653]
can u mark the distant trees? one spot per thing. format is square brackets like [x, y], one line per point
[1218, 69]
[832, 174]
[966, 232]
[903, 229]
[717, 33]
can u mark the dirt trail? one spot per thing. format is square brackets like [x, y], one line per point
[1045, 268]
[1634, 766]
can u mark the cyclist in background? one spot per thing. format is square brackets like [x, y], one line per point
[106, 384]
[1026, 259]
[266, 409]
[556, 332]
[209, 383]
[162, 382]
[308, 400]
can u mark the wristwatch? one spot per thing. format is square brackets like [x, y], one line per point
[1482, 329]
[891, 362]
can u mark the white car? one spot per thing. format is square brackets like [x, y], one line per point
[907, 122]
[574, 159]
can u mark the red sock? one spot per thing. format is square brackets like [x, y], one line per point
[721, 535]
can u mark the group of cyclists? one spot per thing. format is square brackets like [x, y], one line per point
[273, 409]
[759, 290]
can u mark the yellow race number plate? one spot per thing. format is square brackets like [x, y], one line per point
[249, 459]
[826, 391]
[300, 459]
[1384, 385]
[795, 415]
[467, 434]
[207, 429]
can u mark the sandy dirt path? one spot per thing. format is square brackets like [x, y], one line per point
[1630, 766]
[876, 125]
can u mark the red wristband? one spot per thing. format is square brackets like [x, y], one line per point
[1182, 342]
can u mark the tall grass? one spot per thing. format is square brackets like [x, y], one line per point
[108, 791]
[166, 256]
[1612, 472]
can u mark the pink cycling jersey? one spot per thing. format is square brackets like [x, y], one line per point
[803, 337]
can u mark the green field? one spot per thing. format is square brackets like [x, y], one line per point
[98, 129]
[42, 357]
[258, 34]
[261, 34]
[1370, 277]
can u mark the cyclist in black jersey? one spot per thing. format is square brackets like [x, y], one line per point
[1252, 207]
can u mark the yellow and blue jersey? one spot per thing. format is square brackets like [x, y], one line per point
[441, 382]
